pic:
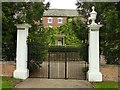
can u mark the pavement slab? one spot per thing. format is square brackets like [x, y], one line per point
[53, 83]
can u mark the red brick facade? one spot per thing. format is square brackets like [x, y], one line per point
[54, 21]
[7, 68]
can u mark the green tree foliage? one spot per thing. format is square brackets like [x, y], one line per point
[8, 32]
[1, 31]
[80, 29]
[108, 15]
[37, 46]
[110, 34]
[22, 12]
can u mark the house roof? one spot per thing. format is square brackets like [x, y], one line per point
[61, 12]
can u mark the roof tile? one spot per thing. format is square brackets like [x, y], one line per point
[61, 12]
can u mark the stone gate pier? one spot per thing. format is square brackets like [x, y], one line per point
[94, 74]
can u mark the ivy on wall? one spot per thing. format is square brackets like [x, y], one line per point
[66, 30]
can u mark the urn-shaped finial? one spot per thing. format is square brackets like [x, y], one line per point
[93, 15]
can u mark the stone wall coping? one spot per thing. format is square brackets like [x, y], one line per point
[7, 62]
[109, 66]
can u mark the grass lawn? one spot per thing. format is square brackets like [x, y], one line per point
[109, 85]
[8, 82]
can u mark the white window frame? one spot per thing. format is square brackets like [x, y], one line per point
[60, 19]
[50, 26]
[50, 19]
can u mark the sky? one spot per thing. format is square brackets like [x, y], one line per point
[62, 4]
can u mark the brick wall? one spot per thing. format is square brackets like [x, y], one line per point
[110, 72]
[7, 68]
[54, 23]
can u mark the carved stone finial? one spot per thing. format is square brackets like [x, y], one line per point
[93, 8]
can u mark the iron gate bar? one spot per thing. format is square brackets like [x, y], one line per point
[48, 65]
[65, 63]
[86, 70]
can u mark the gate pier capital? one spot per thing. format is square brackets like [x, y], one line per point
[94, 74]
[21, 71]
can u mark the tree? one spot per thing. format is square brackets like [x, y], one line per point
[38, 47]
[108, 15]
[109, 34]
[8, 32]
[81, 31]
[17, 13]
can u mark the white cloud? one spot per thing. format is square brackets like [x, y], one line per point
[62, 4]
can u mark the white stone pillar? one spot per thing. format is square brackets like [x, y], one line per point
[94, 73]
[21, 71]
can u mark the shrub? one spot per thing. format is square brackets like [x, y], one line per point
[37, 43]
[83, 51]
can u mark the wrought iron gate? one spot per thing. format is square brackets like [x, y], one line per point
[62, 63]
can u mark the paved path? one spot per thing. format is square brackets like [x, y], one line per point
[53, 83]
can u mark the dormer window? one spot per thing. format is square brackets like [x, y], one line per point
[50, 20]
[60, 20]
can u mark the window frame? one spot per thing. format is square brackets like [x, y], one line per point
[50, 18]
[60, 19]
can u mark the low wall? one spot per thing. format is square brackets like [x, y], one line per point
[109, 72]
[7, 68]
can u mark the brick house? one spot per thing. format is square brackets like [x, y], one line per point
[57, 17]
